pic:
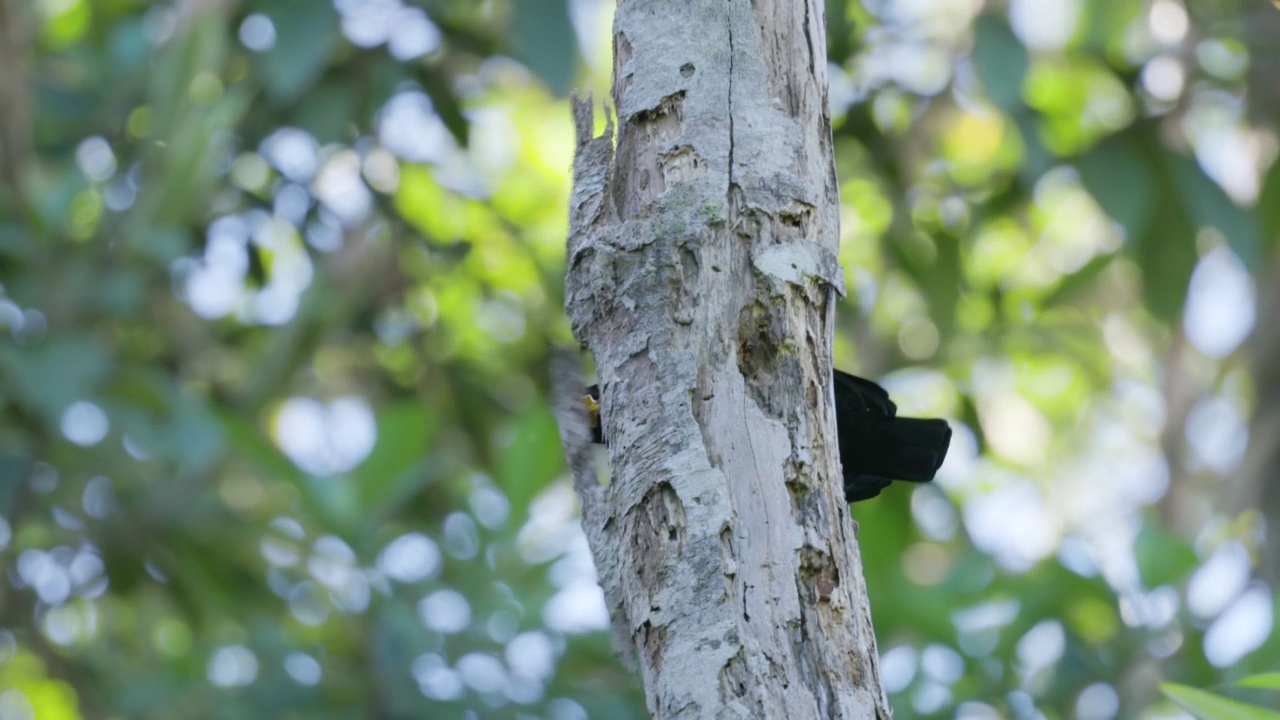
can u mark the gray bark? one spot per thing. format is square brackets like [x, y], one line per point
[702, 278]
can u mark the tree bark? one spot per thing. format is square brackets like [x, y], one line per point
[702, 278]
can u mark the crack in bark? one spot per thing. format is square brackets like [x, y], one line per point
[729, 102]
[653, 638]
[808, 39]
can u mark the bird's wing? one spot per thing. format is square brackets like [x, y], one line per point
[871, 396]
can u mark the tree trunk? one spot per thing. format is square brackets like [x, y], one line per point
[15, 96]
[1256, 485]
[702, 278]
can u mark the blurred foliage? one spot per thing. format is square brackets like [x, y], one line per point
[278, 279]
[1208, 706]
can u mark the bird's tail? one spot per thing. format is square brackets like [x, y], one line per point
[913, 448]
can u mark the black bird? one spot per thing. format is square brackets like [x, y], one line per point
[876, 446]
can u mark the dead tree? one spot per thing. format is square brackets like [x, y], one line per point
[702, 278]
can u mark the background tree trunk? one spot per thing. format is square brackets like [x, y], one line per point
[15, 107]
[1257, 484]
[702, 277]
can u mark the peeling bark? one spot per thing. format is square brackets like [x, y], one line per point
[702, 278]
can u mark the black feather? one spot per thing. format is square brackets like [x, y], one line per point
[878, 447]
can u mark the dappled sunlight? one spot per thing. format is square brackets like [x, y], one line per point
[1220, 304]
[1017, 431]
[1242, 628]
[407, 30]
[1044, 24]
[340, 188]
[233, 666]
[278, 282]
[1219, 580]
[84, 423]
[1012, 522]
[325, 439]
[410, 558]
[410, 128]
[1163, 78]
[304, 669]
[577, 607]
[445, 611]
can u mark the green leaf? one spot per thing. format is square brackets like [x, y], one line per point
[932, 260]
[54, 374]
[1117, 176]
[1208, 706]
[251, 445]
[533, 457]
[438, 85]
[15, 244]
[1001, 61]
[1085, 277]
[162, 243]
[326, 112]
[1266, 681]
[128, 47]
[167, 421]
[1037, 159]
[1166, 255]
[841, 31]
[14, 470]
[1268, 208]
[306, 35]
[398, 464]
[545, 41]
[336, 500]
[1209, 206]
[1162, 556]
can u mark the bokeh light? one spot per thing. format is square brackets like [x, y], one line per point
[277, 287]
